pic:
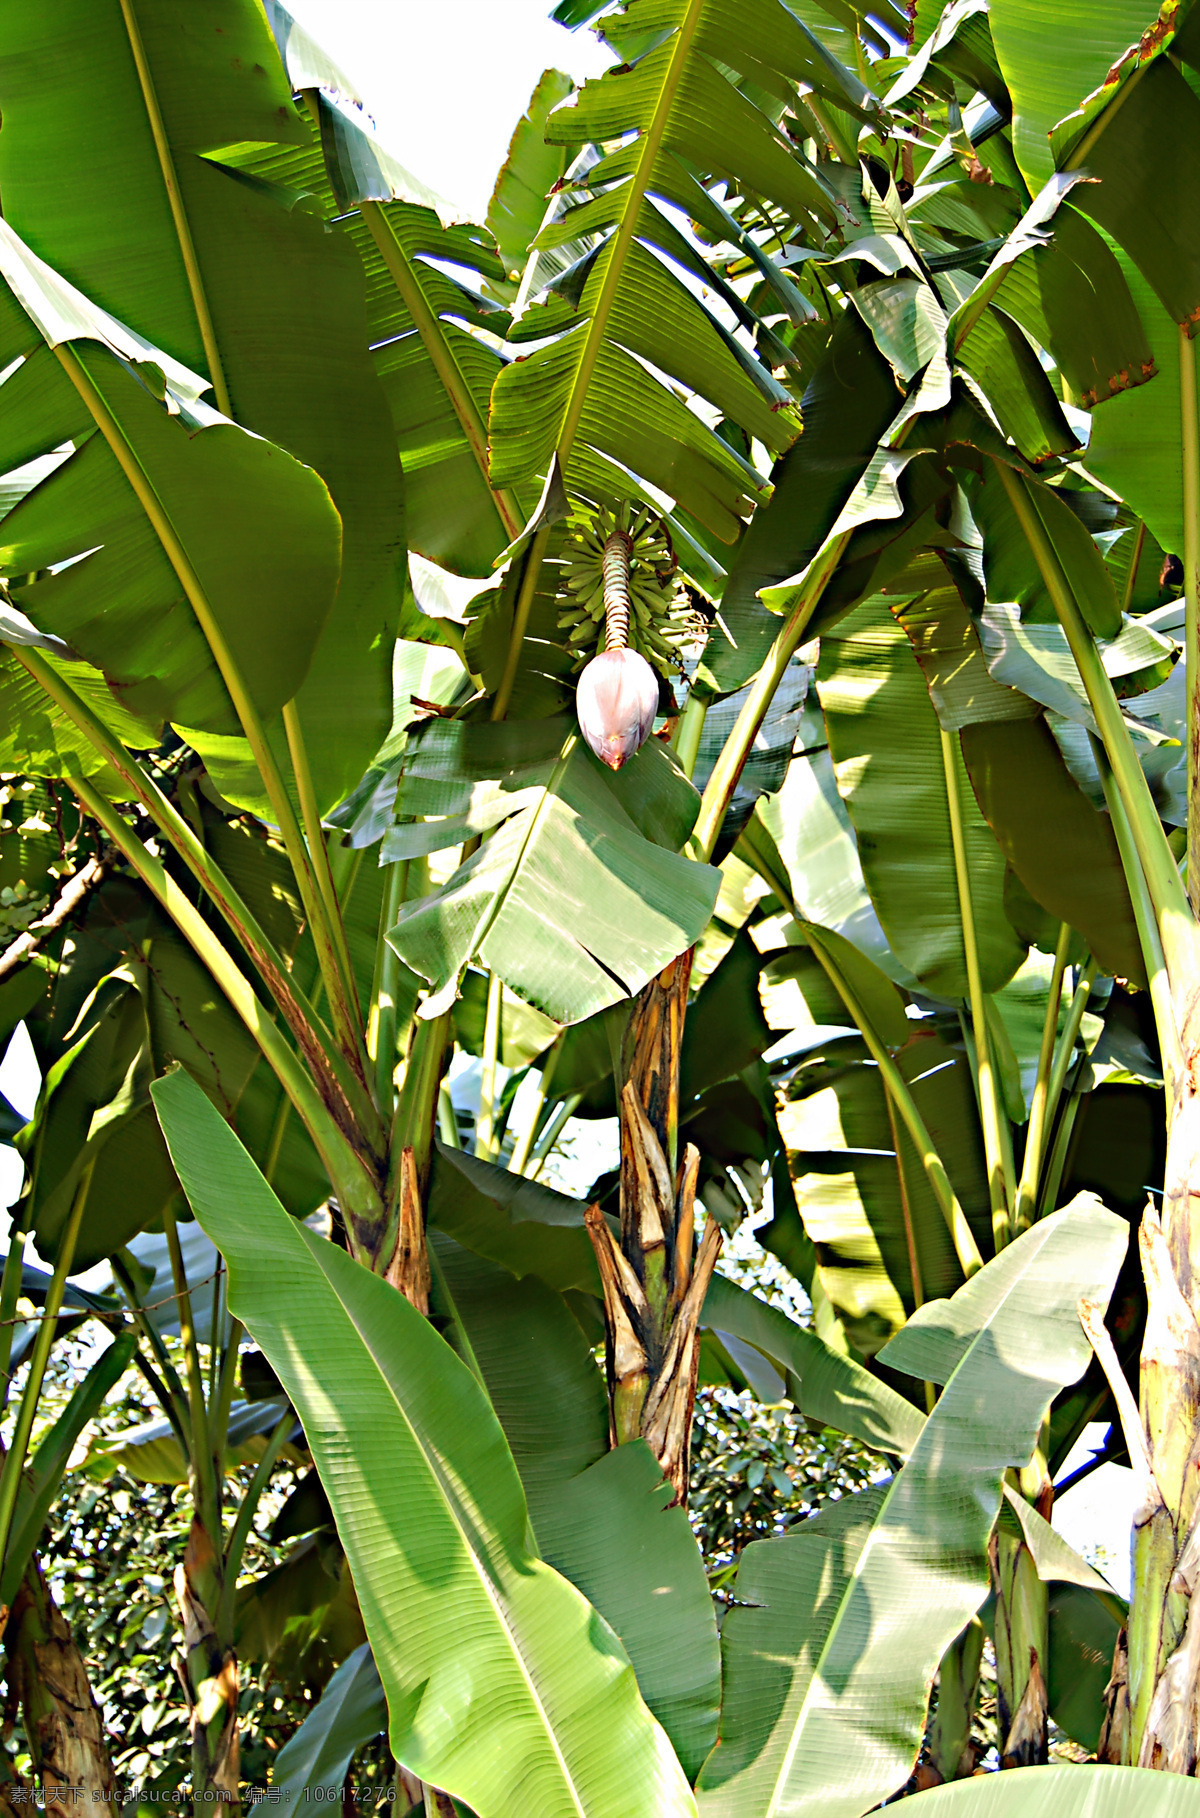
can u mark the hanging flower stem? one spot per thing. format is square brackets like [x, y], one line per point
[618, 552]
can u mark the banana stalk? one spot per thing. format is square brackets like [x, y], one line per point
[62, 1721]
[399, 1254]
[210, 1670]
[950, 1753]
[1022, 1627]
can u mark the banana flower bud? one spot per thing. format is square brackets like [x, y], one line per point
[616, 702]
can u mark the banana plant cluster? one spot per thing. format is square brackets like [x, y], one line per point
[868, 335]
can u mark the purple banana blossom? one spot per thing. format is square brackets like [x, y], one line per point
[616, 703]
[617, 696]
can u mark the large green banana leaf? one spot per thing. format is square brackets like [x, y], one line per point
[92, 1108]
[885, 739]
[283, 297]
[1136, 441]
[1065, 1792]
[525, 1227]
[587, 393]
[1010, 572]
[436, 375]
[825, 1384]
[849, 402]
[832, 21]
[798, 994]
[802, 842]
[174, 510]
[1070, 294]
[1036, 659]
[1083, 1633]
[1062, 849]
[997, 355]
[909, 325]
[567, 900]
[837, 1629]
[474, 1636]
[1060, 846]
[598, 1516]
[1045, 79]
[1144, 114]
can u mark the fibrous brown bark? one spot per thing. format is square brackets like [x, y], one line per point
[408, 1269]
[654, 1279]
[62, 1720]
[1114, 1731]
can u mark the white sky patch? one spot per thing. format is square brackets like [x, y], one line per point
[446, 84]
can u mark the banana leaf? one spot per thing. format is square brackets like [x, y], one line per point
[527, 176]
[890, 768]
[1060, 847]
[472, 1634]
[1045, 84]
[837, 1628]
[226, 525]
[566, 901]
[36, 736]
[532, 1231]
[882, 1242]
[283, 297]
[152, 1453]
[618, 428]
[1142, 152]
[1136, 441]
[847, 405]
[1072, 296]
[599, 1517]
[1065, 1792]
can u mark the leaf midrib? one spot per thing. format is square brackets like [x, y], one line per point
[179, 217]
[622, 240]
[550, 795]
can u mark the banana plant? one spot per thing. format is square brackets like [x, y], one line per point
[803, 350]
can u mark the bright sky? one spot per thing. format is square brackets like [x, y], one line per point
[446, 83]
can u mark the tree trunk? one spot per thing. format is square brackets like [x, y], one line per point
[62, 1721]
[654, 1279]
